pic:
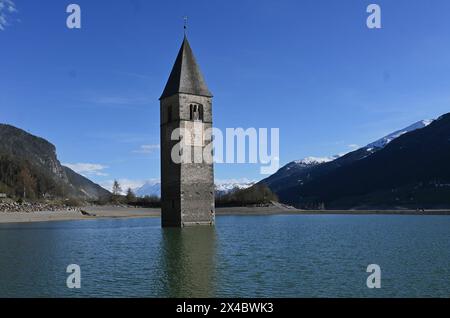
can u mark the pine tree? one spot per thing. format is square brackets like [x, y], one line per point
[131, 197]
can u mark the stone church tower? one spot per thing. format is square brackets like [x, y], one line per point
[187, 187]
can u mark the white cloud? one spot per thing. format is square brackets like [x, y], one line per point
[6, 8]
[147, 149]
[353, 146]
[87, 168]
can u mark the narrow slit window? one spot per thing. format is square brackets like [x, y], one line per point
[169, 114]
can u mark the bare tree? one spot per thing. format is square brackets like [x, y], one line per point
[27, 183]
[116, 190]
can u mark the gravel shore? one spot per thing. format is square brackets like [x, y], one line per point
[99, 212]
[12, 207]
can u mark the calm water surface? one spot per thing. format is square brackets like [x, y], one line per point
[255, 256]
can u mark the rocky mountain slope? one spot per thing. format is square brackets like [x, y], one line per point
[29, 168]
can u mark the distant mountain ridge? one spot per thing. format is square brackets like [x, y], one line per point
[224, 187]
[153, 187]
[348, 181]
[308, 161]
[149, 188]
[29, 164]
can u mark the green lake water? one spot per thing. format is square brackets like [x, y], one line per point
[243, 256]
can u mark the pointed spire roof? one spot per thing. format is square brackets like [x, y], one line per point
[186, 76]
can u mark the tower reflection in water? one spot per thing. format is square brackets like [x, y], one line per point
[188, 257]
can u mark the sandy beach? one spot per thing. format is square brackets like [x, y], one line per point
[102, 212]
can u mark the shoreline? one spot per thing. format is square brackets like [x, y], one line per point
[95, 213]
[113, 212]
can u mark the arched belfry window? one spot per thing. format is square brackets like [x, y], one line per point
[196, 112]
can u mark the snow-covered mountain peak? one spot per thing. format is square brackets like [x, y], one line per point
[314, 160]
[380, 143]
[153, 187]
[372, 147]
[225, 186]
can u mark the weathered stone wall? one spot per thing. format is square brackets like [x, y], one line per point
[188, 188]
[170, 172]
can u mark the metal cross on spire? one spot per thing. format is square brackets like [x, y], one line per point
[185, 24]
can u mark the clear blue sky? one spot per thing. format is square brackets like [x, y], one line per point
[311, 68]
